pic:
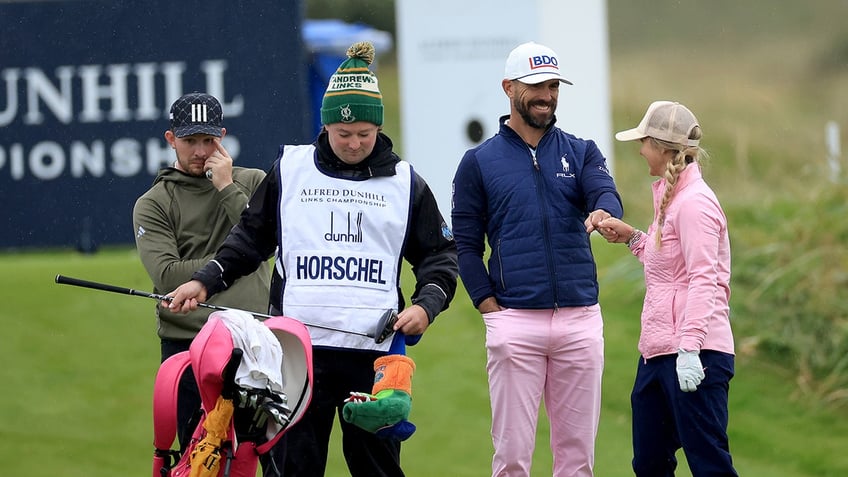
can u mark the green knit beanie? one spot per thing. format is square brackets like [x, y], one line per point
[353, 94]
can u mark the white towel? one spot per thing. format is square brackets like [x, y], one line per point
[261, 364]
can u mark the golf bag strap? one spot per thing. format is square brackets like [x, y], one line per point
[165, 391]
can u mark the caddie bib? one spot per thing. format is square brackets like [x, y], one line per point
[341, 244]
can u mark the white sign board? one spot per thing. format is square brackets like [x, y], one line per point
[451, 59]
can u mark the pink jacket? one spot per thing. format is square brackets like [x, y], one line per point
[687, 279]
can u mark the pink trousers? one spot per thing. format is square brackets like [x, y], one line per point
[555, 354]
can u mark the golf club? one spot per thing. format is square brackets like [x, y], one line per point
[381, 332]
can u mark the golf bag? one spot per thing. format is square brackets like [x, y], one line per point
[238, 423]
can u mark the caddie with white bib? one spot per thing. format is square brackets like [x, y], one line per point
[342, 214]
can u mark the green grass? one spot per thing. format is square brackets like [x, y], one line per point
[80, 363]
[763, 77]
[78, 367]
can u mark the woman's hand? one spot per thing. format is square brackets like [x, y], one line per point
[615, 230]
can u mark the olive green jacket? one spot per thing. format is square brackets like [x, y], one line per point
[179, 224]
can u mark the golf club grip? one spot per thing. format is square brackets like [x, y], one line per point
[97, 286]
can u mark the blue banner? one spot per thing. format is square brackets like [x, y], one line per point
[85, 88]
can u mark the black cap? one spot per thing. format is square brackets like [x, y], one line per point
[196, 113]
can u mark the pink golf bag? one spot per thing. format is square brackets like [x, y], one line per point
[253, 419]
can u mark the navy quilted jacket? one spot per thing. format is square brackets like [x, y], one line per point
[531, 210]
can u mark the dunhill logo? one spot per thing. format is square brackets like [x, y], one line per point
[97, 93]
[91, 94]
[353, 234]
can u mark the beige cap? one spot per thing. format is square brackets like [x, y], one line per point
[666, 121]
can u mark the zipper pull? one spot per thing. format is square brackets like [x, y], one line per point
[533, 154]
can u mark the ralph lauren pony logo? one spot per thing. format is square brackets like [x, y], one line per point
[566, 168]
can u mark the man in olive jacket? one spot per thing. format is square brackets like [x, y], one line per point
[182, 220]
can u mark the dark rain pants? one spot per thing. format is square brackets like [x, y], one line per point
[666, 419]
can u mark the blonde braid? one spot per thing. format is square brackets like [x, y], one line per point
[684, 156]
[672, 173]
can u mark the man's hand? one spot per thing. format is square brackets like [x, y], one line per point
[595, 217]
[185, 298]
[489, 305]
[219, 166]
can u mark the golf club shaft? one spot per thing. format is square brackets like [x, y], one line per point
[61, 279]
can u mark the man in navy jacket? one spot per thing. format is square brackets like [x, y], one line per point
[535, 193]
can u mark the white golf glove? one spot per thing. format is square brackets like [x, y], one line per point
[690, 373]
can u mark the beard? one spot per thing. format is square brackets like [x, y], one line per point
[537, 122]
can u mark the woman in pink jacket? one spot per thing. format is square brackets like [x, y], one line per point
[680, 395]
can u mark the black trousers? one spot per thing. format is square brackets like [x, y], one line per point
[337, 372]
